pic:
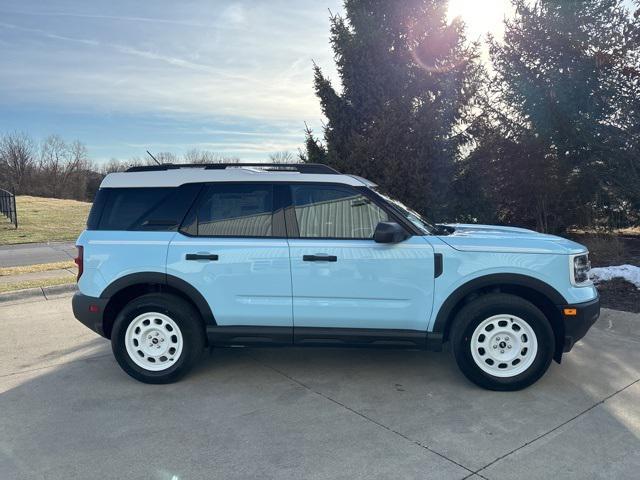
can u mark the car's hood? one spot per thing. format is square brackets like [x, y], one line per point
[495, 238]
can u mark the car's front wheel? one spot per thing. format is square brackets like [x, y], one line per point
[157, 338]
[502, 342]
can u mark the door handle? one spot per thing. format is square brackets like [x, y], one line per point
[202, 256]
[319, 258]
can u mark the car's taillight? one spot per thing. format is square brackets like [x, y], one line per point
[79, 260]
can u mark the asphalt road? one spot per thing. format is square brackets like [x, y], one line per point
[34, 253]
[68, 411]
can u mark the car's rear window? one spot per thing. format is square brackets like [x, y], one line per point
[151, 209]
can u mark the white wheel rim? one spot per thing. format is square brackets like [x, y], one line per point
[504, 345]
[154, 341]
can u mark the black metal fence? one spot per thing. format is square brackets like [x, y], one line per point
[8, 206]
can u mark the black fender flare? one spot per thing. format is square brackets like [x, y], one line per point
[158, 278]
[497, 279]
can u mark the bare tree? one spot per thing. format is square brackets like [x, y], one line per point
[17, 160]
[282, 157]
[163, 157]
[197, 156]
[53, 157]
[63, 169]
[138, 161]
[76, 171]
[112, 166]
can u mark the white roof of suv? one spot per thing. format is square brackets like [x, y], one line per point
[176, 175]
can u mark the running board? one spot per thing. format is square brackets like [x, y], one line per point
[249, 335]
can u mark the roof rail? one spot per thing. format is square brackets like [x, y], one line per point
[282, 167]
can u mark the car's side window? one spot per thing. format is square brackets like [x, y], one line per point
[333, 211]
[234, 210]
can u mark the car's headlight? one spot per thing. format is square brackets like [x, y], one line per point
[580, 266]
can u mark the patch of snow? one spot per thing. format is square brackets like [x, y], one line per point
[630, 273]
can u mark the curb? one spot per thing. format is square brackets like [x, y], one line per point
[43, 293]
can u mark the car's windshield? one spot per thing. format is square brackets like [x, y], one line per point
[414, 217]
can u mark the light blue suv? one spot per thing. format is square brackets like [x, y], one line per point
[179, 257]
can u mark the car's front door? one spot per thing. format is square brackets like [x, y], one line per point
[232, 249]
[341, 277]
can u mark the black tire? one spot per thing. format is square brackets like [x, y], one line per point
[183, 314]
[484, 307]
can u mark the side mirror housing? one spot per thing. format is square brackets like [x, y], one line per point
[389, 232]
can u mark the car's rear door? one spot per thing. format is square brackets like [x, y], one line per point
[342, 278]
[232, 249]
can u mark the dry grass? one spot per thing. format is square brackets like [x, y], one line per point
[631, 231]
[44, 220]
[605, 250]
[634, 231]
[42, 267]
[45, 282]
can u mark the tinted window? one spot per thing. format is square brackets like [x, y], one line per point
[126, 205]
[232, 210]
[335, 212]
[155, 209]
[97, 207]
[170, 211]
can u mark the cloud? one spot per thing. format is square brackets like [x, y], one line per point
[234, 14]
[255, 74]
[241, 62]
[242, 147]
[209, 131]
[111, 17]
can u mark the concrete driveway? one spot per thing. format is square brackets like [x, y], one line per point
[35, 253]
[68, 411]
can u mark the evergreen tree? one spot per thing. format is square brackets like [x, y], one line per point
[314, 151]
[407, 80]
[565, 129]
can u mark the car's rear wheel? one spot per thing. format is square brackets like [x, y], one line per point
[157, 338]
[502, 342]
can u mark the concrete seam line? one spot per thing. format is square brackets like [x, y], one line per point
[471, 475]
[20, 295]
[59, 289]
[362, 415]
[43, 293]
[559, 426]
[37, 298]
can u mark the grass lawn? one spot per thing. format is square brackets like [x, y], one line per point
[44, 220]
[48, 282]
[41, 267]
[13, 278]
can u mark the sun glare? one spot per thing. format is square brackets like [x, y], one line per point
[480, 16]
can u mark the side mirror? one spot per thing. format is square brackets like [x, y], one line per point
[389, 232]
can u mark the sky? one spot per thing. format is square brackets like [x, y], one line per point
[124, 76]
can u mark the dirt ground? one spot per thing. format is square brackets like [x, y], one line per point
[607, 250]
